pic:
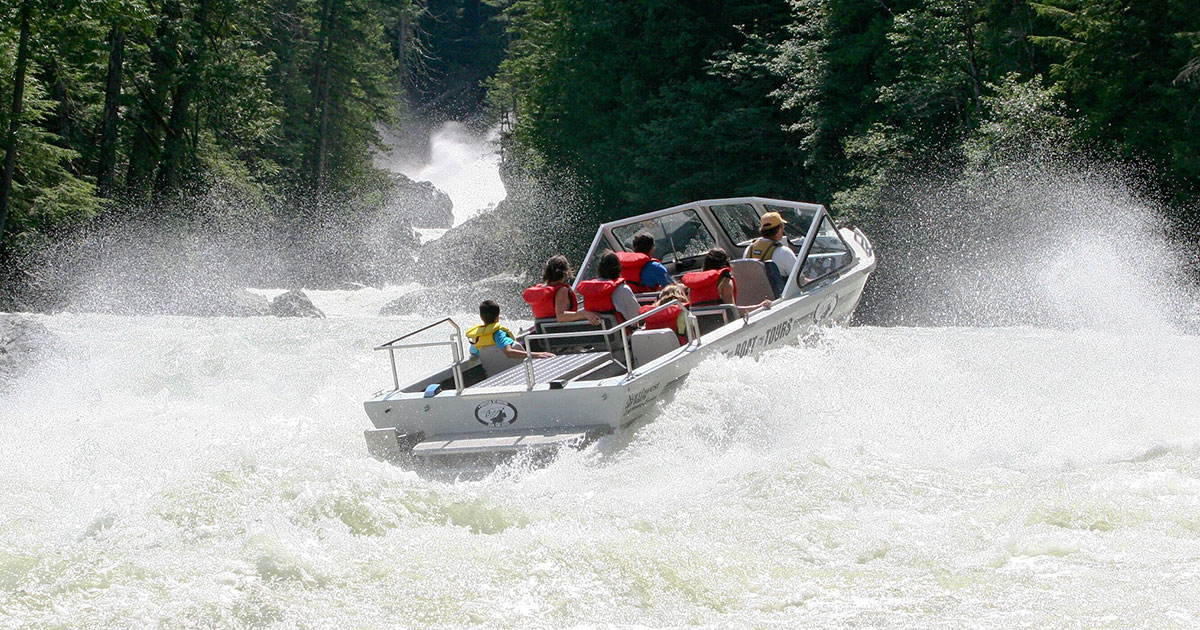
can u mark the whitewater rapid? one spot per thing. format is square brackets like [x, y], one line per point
[211, 472]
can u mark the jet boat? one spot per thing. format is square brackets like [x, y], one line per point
[603, 379]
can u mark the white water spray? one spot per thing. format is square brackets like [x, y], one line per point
[211, 472]
[464, 164]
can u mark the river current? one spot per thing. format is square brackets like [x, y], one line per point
[211, 472]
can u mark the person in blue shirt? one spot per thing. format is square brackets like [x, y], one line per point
[654, 275]
[492, 333]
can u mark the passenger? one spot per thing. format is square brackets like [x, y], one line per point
[554, 297]
[640, 269]
[714, 284]
[491, 333]
[674, 317]
[608, 293]
[772, 246]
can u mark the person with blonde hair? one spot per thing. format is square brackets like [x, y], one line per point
[674, 317]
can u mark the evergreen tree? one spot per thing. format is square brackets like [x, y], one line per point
[1118, 61]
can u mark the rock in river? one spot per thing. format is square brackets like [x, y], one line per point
[294, 303]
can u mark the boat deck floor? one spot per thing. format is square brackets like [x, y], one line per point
[561, 367]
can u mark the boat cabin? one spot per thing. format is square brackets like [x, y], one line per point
[683, 235]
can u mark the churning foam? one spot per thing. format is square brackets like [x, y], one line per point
[211, 472]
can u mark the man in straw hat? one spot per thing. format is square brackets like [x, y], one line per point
[772, 246]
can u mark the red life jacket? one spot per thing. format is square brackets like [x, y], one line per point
[541, 299]
[703, 285]
[597, 295]
[632, 264]
[667, 318]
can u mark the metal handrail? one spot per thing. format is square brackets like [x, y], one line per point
[693, 334]
[746, 316]
[455, 344]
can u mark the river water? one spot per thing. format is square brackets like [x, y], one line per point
[211, 472]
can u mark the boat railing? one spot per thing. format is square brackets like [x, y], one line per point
[748, 314]
[455, 343]
[692, 327]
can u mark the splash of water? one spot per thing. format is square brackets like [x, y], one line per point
[464, 164]
[1032, 243]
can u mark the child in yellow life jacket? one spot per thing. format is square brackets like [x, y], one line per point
[491, 333]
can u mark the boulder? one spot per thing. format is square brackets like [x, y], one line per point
[237, 304]
[21, 338]
[294, 303]
[421, 204]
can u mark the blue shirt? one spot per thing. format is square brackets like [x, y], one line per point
[655, 275]
[502, 341]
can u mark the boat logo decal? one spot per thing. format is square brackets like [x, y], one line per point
[496, 413]
[825, 309]
[642, 398]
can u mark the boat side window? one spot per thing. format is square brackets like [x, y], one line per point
[828, 254]
[799, 220]
[739, 220]
[678, 238]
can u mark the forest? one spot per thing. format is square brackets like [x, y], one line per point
[238, 113]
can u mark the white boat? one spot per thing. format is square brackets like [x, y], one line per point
[603, 381]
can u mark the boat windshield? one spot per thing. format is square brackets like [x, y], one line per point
[677, 236]
[740, 221]
[799, 220]
[828, 254]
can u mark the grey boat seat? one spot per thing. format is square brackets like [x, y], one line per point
[753, 285]
[712, 317]
[494, 361]
[648, 345]
[563, 367]
[549, 325]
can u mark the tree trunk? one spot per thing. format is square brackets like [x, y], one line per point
[14, 124]
[106, 165]
[402, 43]
[322, 92]
[150, 122]
[176, 146]
[61, 93]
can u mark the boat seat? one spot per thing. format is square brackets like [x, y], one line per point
[549, 325]
[713, 317]
[753, 284]
[560, 368]
[494, 361]
[648, 345]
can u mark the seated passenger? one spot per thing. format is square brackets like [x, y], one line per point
[608, 293]
[640, 269]
[714, 284]
[490, 334]
[554, 297]
[674, 317]
[772, 247]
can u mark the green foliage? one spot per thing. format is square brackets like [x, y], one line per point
[48, 190]
[212, 93]
[864, 92]
[1021, 118]
[1117, 62]
[627, 96]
